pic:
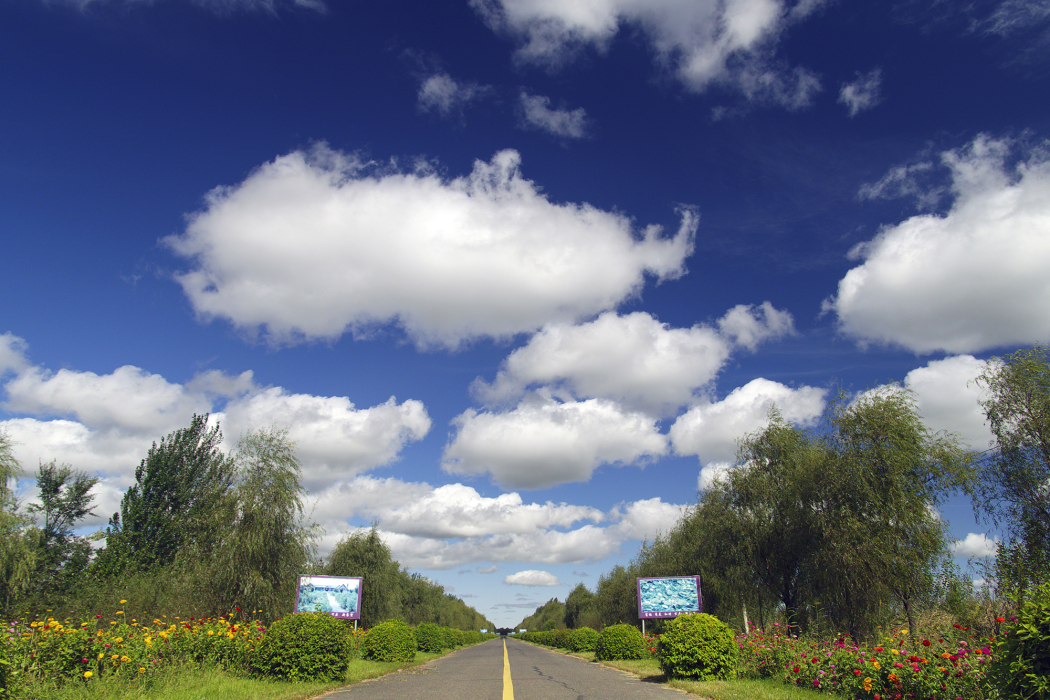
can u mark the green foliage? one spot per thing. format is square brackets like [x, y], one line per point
[583, 639]
[430, 637]
[549, 616]
[1015, 475]
[389, 641]
[363, 553]
[616, 597]
[560, 638]
[17, 540]
[579, 604]
[1021, 669]
[62, 557]
[698, 647]
[304, 646]
[619, 642]
[179, 487]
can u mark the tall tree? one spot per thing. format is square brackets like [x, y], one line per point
[1015, 476]
[171, 506]
[65, 499]
[267, 545]
[17, 540]
[363, 553]
[578, 604]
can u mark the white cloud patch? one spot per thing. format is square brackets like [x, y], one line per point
[442, 94]
[221, 7]
[948, 398]
[105, 424]
[970, 280]
[863, 93]
[633, 359]
[975, 546]
[490, 570]
[705, 42]
[566, 123]
[711, 474]
[314, 244]
[906, 181]
[544, 442]
[532, 578]
[711, 430]
[1012, 16]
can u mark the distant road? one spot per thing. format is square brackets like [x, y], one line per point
[520, 672]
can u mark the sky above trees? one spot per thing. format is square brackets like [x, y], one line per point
[515, 276]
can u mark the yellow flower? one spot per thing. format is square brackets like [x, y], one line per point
[211, 632]
[118, 640]
[88, 674]
[895, 652]
[100, 655]
[120, 612]
[904, 631]
[876, 665]
[123, 601]
[141, 669]
[114, 657]
[125, 659]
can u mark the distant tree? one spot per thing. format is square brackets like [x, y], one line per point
[363, 553]
[65, 499]
[172, 506]
[1015, 476]
[578, 604]
[616, 596]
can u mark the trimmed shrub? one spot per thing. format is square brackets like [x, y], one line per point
[698, 647]
[304, 646]
[1021, 664]
[389, 641]
[430, 637]
[560, 639]
[583, 639]
[619, 642]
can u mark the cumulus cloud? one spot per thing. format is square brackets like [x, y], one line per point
[863, 93]
[948, 398]
[544, 442]
[975, 546]
[705, 43]
[314, 244]
[105, 424]
[442, 94]
[490, 570]
[538, 114]
[969, 280]
[710, 430]
[450, 526]
[633, 359]
[712, 473]
[532, 578]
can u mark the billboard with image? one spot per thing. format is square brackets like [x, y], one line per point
[669, 596]
[338, 596]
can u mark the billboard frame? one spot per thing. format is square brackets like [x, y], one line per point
[309, 579]
[667, 614]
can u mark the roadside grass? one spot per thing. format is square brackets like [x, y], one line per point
[648, 670]
[205, 683]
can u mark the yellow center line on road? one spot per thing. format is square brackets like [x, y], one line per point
[508, 687]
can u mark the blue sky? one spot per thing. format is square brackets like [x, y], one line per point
[515, 274]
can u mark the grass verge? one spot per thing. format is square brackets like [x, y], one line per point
[206, 683]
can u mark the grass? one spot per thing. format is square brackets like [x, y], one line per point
[196, 683]
[648, 670]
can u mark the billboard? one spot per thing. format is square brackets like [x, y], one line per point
[668, 597]
[338, 596]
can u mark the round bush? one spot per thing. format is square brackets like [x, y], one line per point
[1021, 664]
[429, 637]
[619, 642]
[304, 646]
[697, 646]
[583, 639]
[389, 641]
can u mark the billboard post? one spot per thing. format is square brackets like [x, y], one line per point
[667, 597]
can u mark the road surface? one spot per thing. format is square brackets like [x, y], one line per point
[507, 670]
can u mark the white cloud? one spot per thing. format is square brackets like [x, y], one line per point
[311, 245]
[705, 42]
[948, 398]
[222, 7]
[442, 94]
[863, 93]
[490, 570]
[975, 546]
[905, 181]
[559, 122]
[633, 359]
[12, 354]
[1011, 16]
[119, 415]
[544, 442]
[711, 430]
[712, 473]
[532, 578]
[644, 520]
[970, 280]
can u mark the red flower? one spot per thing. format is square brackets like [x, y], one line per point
[1000, 619]
[926, 642]
[856, 672]
[958, 627]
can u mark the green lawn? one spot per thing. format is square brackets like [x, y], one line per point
[194, 683]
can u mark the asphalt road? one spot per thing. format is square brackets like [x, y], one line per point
[522, 672]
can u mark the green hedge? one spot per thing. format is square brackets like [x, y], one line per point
[620, 642]
[1021, 666]
[389, 641]
[304, 646]
[583, 639]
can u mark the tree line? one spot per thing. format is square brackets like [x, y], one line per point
[835, 527]
[200, 531]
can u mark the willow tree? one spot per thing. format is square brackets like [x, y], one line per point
[363, 553]
[267, 544]
[17, 539]
[1015, 476]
